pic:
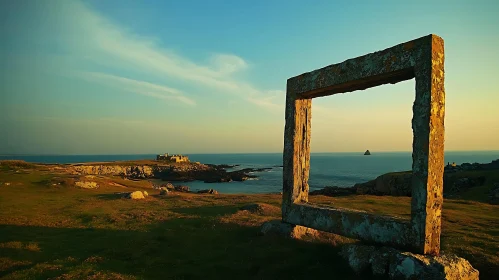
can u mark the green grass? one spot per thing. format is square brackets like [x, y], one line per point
[62, 232]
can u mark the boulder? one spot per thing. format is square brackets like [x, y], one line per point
[145, 194]
[208, 191]
[135, 195]
[86, 184]
[163, 191]
[168, 186]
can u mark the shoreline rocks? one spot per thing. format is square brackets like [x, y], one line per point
[178, 173]
[457, 180]
[208, 191]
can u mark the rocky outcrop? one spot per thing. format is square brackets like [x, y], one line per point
[396, 184]
[494, 194]
[184, 172]
[86, 184]
[208, 191]
[451, 168]
[400, 184]
[135, 172]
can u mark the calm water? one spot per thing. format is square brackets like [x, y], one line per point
[327, 169]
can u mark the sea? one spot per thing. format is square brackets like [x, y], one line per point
[326, 169]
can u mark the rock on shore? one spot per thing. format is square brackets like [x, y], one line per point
[183, 172]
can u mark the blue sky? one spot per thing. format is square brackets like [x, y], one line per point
[114, 77]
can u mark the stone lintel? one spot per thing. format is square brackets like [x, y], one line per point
[390, 65]
[386, 230]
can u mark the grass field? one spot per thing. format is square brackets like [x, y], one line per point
[50, 229]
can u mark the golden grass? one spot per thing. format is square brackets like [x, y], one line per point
[63, 232]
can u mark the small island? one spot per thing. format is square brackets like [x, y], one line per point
[367, 153]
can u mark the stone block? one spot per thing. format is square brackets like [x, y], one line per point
[279, 228]
[404, 265]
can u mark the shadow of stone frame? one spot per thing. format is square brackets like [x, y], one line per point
[422, 59]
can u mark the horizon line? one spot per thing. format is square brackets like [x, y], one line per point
[235, 153]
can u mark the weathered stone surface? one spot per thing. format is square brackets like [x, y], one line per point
[351, 223]
[86, 184]
[277, 227]
[296, 157]
[403, 265]
[428, 147]
[422, 59]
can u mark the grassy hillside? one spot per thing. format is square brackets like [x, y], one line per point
[50, 229]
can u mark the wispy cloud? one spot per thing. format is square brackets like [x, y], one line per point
[139, 87]
[108, 43]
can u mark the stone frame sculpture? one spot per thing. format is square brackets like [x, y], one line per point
[422, 59]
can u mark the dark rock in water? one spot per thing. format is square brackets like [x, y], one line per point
[208, 191]
[367, 153]
[334, 191]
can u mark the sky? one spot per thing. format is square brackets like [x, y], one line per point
[147, 77]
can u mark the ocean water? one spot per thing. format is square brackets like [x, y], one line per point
[326, 169]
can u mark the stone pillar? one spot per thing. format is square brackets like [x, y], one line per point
[296, 155]
[428, 147]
